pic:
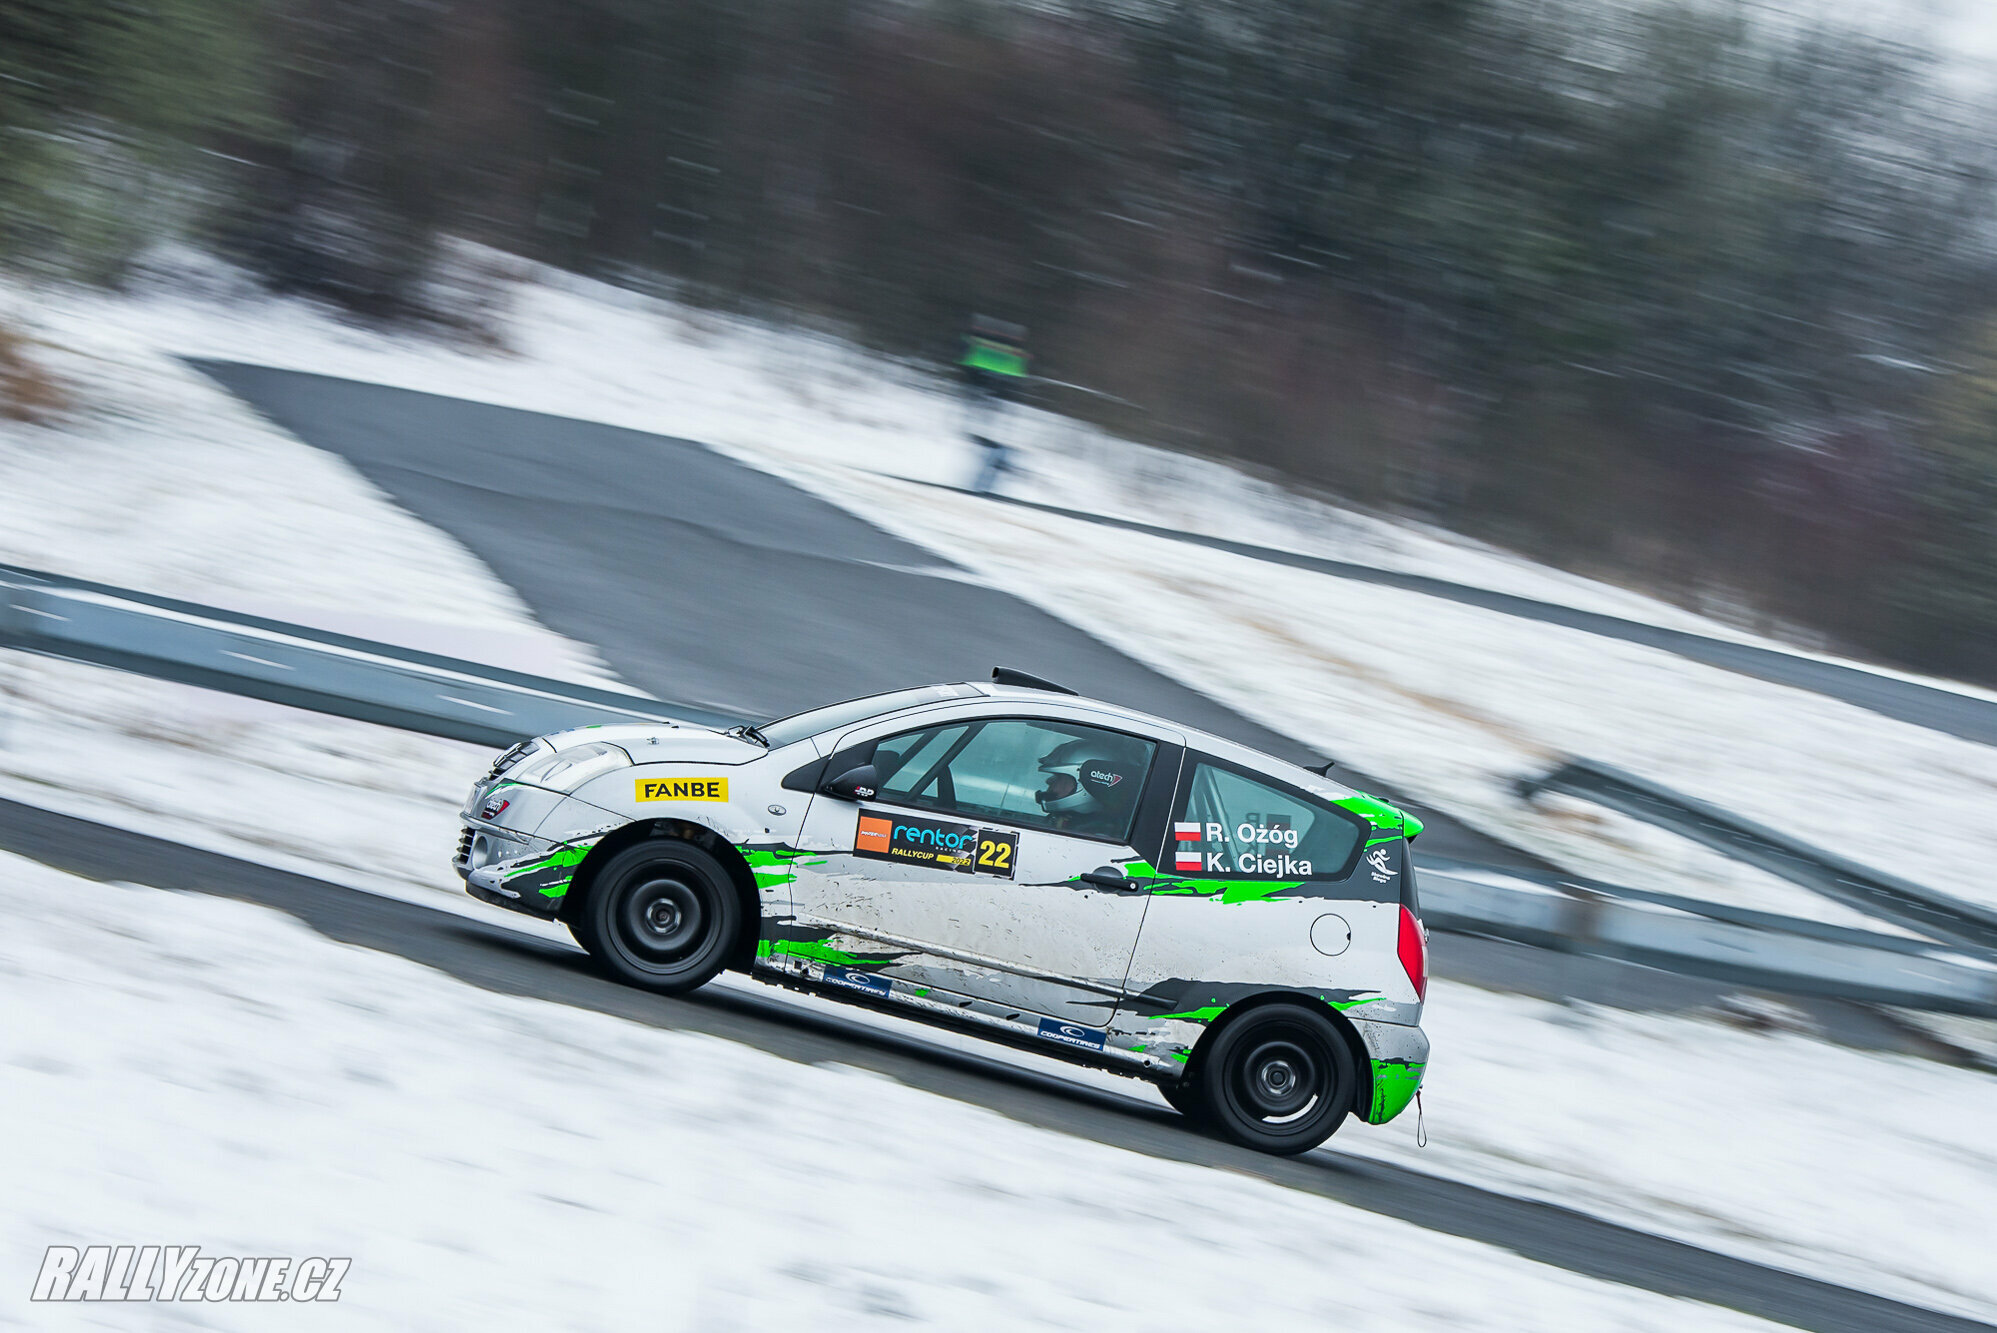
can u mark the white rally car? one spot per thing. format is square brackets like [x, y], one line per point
[1004, 857]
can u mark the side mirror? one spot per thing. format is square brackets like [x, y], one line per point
[855, 784]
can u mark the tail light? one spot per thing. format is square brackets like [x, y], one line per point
[1413, 950]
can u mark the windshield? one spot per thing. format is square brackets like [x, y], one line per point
[832, 717]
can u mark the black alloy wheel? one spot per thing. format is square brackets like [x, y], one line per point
[1278, 1078]
[662, 915]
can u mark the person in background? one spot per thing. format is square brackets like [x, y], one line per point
[995, 367]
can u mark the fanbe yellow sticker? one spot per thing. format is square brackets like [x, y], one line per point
[682, 789]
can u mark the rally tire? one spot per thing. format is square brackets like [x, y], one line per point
[1185, 1098]
[663, 915]
[580, 926]
[1279, 1078]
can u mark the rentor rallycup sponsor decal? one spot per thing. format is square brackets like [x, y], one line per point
[936, 842]
[1072, 1034]
[682, 789]
[182, 1273]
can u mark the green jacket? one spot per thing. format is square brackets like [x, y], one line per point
[994, 357]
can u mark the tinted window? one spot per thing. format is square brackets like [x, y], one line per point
[915, 759]
[1051, 775]
[797, 726]
[1234, 827]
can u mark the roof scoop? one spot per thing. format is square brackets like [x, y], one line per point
[1007, 676]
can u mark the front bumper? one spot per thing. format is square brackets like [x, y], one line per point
[516, 870]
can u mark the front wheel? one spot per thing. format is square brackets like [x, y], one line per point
[661, 915]
[1278, 1079]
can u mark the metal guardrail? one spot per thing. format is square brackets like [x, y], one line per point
[1872, 891]
[303, 667]
[444, 696]
[1693, 938]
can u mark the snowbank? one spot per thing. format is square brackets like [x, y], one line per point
[1862, 1169]
[222, 1076]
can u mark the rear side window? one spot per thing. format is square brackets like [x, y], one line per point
[1231, 826]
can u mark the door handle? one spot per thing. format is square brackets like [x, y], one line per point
[1110, 879]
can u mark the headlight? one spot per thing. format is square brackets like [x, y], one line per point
[565, 770]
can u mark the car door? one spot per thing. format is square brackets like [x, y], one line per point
[1265, 886]
[963, 874]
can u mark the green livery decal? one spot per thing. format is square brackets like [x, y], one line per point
[1394, 1085]
[551, 875]
[1204, 1014]
[772, 865]
[1184, 1000]
[786, 939]
[817, 952]
[1227, 890]
[1230, 891]
[1388, 822]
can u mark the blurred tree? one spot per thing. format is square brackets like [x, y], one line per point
[1942, 596]
[1656, 290]
[105, 108]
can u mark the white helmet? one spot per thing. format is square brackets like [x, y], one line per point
[1079, 778]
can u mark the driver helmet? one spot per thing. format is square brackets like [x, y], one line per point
[1079, 779]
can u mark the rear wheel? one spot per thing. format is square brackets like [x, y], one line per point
[661, 915]
[1279, 1079]
[1184, 1097]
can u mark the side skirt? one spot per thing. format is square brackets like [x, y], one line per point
[945, 1009]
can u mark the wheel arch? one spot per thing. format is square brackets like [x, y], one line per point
[743, 952]
[1362, 1062]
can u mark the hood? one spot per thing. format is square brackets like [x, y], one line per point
[657, 743]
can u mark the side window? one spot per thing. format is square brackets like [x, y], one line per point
[1234, 827]
[911, 765]
[1044, 774]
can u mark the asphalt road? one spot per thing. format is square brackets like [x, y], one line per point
[706, 582]
[645, 542]
[1967, 716]
[505, 961]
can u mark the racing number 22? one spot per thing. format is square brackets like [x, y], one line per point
[995, 852]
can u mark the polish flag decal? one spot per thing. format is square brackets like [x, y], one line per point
[1187, 857]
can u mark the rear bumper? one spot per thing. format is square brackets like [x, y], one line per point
[1398, 1057]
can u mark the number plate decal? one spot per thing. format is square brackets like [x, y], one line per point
[935, 842]
[997, 852]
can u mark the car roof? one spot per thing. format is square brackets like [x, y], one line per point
[1218, 746]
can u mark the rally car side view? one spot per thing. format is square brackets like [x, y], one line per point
[1004, 857]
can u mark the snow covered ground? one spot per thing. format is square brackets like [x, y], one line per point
[492, 1161]
[1449, 702]
[163, 482]
[251, 779]
[1865, 1169]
